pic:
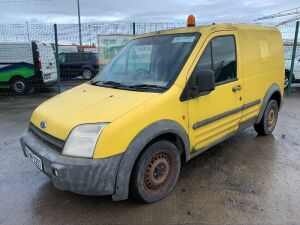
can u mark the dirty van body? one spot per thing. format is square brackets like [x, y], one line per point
[164, 99]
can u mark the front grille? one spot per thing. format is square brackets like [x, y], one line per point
[49, 140]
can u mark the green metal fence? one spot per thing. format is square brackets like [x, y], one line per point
[105, 38]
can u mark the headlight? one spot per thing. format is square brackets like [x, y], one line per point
[82, 140]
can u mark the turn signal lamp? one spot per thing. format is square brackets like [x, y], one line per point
[191, 21]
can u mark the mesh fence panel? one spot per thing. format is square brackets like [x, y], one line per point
[76, 67]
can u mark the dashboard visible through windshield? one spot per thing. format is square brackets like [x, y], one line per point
[148, 64]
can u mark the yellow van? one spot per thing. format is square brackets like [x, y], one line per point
[165, 98]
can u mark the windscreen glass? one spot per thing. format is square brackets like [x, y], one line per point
[151, 62]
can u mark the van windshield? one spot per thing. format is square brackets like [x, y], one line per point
[150, 63]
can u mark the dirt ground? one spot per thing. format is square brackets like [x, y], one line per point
[247, 179]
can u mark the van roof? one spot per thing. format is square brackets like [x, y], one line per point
[210, 28]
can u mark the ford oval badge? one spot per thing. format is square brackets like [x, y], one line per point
[43, 124]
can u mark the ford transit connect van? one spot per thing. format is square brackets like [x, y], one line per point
[165, 98]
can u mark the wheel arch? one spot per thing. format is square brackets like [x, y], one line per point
[16, 76]
[164, 129]
[272, 93]
[87, 67]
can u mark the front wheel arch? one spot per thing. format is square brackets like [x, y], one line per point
[153, 132]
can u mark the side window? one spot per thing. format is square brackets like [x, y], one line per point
[220, 56]
[80, 57]
[87, 57]
[73, 57]
[62, 58]
[224, 58]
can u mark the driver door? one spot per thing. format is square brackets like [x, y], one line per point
[216, 115]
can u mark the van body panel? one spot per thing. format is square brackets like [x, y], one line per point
[260, 49]
[21, 60]
[64, 112]
[24, 70]
[16, 59]
[165, 106]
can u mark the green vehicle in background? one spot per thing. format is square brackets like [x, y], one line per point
[24, 66]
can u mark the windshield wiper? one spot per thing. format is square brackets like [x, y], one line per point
[148, 86]
[114, 84]
[109, 83]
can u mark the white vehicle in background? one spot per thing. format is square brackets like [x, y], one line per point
[24, 66]
[296, 72]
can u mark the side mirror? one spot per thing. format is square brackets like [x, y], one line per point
[202, 82]
[205, 81]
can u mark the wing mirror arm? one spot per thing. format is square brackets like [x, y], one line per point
[205, 82]
[201, 83]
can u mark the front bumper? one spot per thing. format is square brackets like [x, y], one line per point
[78, 175]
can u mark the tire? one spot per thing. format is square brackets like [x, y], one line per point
[156, 172]
[87, 74]
[269, 119]
[19, 86]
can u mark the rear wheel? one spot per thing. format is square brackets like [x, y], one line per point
[87, 74]
[19, 85]
[156, 172]
[269, 119]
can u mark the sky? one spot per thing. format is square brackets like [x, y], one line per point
[94, 11]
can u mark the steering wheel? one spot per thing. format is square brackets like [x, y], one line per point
[142, 72]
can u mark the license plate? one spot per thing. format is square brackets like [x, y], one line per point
[34, 158]
[47, 76]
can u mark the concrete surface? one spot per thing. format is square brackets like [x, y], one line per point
[244, 180]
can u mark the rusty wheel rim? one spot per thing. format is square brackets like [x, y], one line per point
[158, 171]
[271, 118]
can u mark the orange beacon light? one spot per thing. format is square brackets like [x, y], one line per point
[191, 21]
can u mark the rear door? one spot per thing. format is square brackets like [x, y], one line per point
[48, 62]
[215, 116]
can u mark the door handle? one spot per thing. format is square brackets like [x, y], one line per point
[236, 88]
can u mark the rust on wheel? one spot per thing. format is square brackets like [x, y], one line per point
[158, 171]
[271, 118]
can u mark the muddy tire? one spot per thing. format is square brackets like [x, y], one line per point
[269, 119]
[19, 85]
[155, 173]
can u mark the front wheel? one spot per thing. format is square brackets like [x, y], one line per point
[269, 119]
[156, 172]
